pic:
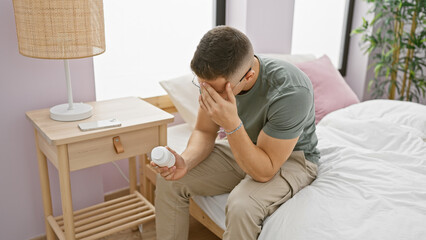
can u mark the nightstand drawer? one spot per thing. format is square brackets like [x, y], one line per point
[101, 150]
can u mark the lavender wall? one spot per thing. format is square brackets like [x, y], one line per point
[27, 84]
[267, 23]
[270, 24]
[357, 73]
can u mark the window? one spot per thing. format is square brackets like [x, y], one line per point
[323, 27]
[149, 41]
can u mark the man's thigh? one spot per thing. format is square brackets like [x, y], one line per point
[219, 173]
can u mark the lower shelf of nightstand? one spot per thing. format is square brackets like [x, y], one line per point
[106, 218]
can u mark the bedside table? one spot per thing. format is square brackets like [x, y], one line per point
[69, 149]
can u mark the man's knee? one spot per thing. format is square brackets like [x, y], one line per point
[172, 188]
[243, 207]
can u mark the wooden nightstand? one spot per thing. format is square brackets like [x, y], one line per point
[68, 149]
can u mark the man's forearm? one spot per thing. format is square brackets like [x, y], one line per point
[252, 159]
[200, 145]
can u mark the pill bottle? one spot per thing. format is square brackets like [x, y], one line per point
[162, 157]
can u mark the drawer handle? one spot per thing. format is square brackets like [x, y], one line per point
[117, 145]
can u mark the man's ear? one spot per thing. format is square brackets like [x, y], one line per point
[250, 75]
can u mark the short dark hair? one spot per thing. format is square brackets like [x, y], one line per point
[221, 53]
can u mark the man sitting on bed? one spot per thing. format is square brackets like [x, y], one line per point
[266, 108]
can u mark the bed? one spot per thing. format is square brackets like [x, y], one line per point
[371, 180]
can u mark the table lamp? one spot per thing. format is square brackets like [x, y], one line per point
[61, 29]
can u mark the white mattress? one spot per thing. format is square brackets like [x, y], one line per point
[371, 182]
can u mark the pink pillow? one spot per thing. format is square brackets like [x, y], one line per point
[330, 89]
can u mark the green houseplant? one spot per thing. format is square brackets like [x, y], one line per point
[396, 40]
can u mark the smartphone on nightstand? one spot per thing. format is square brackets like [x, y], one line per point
[87, 126]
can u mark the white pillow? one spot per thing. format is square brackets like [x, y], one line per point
[184, 94]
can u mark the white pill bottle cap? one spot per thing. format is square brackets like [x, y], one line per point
[162, 157]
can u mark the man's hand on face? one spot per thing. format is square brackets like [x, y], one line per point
[222, 111]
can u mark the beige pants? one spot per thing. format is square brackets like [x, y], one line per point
[249, 202]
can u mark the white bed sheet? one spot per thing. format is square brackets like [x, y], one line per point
[371, 182]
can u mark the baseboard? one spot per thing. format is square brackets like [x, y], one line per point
[107, 197]
[42, 237]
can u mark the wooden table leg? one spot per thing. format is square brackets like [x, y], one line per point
[65, 185]
[45, 189]
[152, 179]
[133, 180]
[163, 135]
[144, 180]
[147, 178]
[141, 175]
[132, 174]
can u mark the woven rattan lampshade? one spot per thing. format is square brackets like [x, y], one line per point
[60, 29]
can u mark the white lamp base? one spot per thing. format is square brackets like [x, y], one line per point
[63, 113]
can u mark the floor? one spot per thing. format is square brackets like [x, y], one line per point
[196, 232]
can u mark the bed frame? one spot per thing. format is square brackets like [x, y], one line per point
[148, 175]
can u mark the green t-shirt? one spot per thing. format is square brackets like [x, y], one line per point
[281, 103]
